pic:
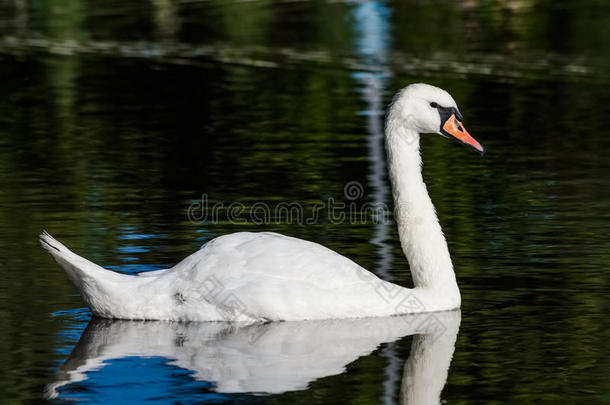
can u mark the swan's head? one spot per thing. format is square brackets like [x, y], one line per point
[429, 109]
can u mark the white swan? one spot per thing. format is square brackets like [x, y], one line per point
[253, 277]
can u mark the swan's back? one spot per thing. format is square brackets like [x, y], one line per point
[275, 277]
[250, 254]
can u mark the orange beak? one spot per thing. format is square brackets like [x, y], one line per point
[454, 128]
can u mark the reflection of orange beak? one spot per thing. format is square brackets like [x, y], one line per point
[455, 128]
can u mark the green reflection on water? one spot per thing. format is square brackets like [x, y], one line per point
[115, 117]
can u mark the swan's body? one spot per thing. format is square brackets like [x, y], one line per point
[245, 277]
[255, 277]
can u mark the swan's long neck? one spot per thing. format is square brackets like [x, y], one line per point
[420, 233]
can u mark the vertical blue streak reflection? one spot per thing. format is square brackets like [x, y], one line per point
[371, 26]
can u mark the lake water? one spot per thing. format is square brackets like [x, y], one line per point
[116, 117]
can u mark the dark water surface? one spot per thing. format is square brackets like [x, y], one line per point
[117, 116]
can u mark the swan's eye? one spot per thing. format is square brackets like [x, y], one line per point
[433, 104]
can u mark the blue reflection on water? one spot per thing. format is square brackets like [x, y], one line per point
[137, 379]
[133, 249]
[372, 26]
[139, 236]
[136, 268]
[74, 322]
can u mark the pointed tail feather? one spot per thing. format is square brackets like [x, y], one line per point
[95, 283]
[51, 244]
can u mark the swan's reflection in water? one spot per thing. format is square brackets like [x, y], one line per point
[270, 358]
